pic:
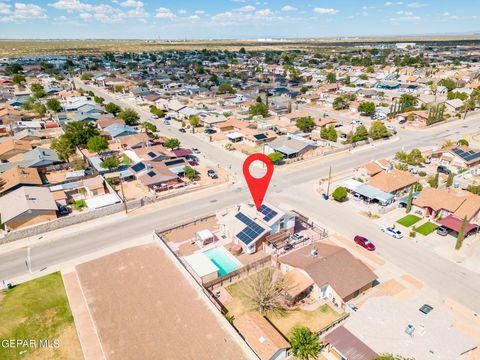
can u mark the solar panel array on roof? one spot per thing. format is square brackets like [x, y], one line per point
[151, 173]
[138, 167]
[152, 154]
[174, 162]
[467, 155]
[269, 213]
[260, 136]
[251, 231]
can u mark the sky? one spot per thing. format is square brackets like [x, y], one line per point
[233, 19]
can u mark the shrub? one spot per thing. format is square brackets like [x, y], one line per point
[340, 194]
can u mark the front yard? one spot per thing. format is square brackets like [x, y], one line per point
[315, 319]
[38, 310]
[409, 220]
[427, 228]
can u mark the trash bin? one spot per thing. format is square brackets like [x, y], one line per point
[9, 286]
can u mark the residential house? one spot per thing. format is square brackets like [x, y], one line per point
[373, 168]
[18, 176]
[27, 205]
[456, 157]
[395, 182]
[342, 344]
[453, 106]
[156, 176]
[262, 337]
[290, 146]
[11, 147]
[102, 123]
[450, 206]
[246, 226]
[334, 273]
[119, 130]
[414, 118]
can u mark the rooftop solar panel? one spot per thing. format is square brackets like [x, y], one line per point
[260, 136]
[251, 231]
[466, 155]
[152, 154]
[151, 173]
[174, 162]
[269, 213]
[138, 167]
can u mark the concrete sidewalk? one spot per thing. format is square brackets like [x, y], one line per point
[86, 330]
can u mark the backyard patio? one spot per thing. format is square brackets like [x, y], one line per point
[312, 313]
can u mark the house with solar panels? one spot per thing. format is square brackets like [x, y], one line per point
[456, 157]
[249, 227]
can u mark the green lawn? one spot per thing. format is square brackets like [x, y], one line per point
[38, 309]
[409, 220]
[427, 228]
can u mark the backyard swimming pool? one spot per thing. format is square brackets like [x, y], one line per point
[225, 261]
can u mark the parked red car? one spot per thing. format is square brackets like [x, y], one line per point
[364, 242]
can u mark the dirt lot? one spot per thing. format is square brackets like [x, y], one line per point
[144, 308]
[188, 231]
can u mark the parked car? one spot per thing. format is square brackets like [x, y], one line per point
[193, 158]
[442, 231]
[296, 237]
[443, 169]
[426, 309]
[364, 242]
[397, 234]
[153, 116]
[403, 121]
[391, 128]
[209, 131]
[64, 210]
[193, 163]
[166, 122]
[195, 150]
[288, 246]
[182, 130]
[356, 122]
[212, 174]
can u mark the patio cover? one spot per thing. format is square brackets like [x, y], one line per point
[286, 150]
[368, 191]
[455, 224]
[235, 135]
[182, 152]
[204, 235]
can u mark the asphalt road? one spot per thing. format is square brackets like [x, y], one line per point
[293, 187]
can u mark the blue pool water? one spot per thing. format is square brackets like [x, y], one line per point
[223, 260]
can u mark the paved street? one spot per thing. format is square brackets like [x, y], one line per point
[291, 187]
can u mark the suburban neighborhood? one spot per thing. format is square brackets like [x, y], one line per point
[130, 221]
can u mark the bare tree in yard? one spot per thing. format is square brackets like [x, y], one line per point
[264, 293]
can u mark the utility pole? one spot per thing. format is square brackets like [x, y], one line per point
[329, 178]
[28, 260]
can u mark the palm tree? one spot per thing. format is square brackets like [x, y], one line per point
[304, 343]
[263, 293]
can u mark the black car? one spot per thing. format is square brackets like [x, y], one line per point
[182, 130]
[210, 131]
[443, 169]
[288, 247]
[63, 210]
[425, 308]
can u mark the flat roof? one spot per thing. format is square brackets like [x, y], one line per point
[201, 264]
[381, 323]
[146, 306]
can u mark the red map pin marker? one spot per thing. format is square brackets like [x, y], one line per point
[258, 186]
